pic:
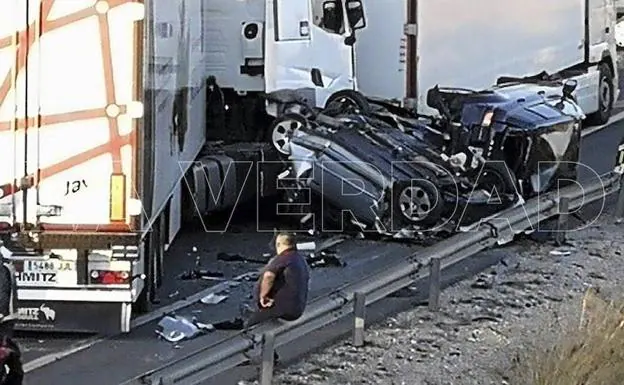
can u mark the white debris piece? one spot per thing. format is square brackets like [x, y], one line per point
[306, 246]
[213, 299]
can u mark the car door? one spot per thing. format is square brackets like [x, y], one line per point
[305, 50]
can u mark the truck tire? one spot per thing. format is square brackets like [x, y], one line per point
[143, 303]
[605, 97]
[349, 98]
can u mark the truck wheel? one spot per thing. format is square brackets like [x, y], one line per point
[605, 97]
[345, 99]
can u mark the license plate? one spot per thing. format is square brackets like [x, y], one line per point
[47, 272]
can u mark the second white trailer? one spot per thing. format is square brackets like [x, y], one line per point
[409, 46]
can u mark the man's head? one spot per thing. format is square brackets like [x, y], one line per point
[284, 241]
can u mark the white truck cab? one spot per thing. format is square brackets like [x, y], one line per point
[256, 47]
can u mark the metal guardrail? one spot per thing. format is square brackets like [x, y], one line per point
[260, 341]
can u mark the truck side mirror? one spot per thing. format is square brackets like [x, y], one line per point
[433, 97]
[332, 16]
[568, 88]
[355, 14]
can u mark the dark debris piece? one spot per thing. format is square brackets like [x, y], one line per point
[233, 257]
[325, 258]
[199, 274]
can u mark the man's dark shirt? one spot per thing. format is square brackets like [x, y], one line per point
[292, 276]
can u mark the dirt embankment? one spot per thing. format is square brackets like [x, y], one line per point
[498, 328]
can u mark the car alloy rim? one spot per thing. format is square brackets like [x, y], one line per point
[282, 132]
[415, 203]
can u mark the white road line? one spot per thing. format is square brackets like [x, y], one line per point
[139, 321]
[592, 130]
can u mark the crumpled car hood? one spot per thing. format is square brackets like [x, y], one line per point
[549, 126]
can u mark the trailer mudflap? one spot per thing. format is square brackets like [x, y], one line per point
[73, 317]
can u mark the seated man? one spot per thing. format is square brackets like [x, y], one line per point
[282, 288]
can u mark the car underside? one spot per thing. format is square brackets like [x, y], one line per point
[383, 169]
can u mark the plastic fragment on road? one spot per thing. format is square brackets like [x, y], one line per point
[213, 299]
[561, 252]
[306, 246]
[176, 328]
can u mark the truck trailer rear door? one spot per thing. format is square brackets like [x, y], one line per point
[305, 47]
[84, 79]
[13, 45]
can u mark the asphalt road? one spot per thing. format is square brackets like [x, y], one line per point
[93, 364]
[147, 351]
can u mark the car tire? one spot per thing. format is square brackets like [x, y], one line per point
[427, 204]
[504, 179]
[605, 97]
[281, 131]
[350, 98]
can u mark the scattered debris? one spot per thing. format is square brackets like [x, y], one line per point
[561, 252]
[235, 324]
[251, 276]
[330, 242]
[233, 257]
[325, 259]
[176, 328]
[213, 299]
[199, 274]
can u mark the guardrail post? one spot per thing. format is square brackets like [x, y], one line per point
[359, 316]
[268, 356]
[562, 220]
[434, 284]
[619, 207]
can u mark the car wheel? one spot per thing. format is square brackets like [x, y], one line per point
[282, 130]
[605, 97]
[418, 202]
[496, 175]
[348, 99]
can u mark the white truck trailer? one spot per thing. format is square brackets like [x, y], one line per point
[101, 110]
[409, 46]
[104, 108]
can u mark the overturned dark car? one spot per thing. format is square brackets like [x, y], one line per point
[392, 171]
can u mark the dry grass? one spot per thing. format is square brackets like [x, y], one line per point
[590, 352]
